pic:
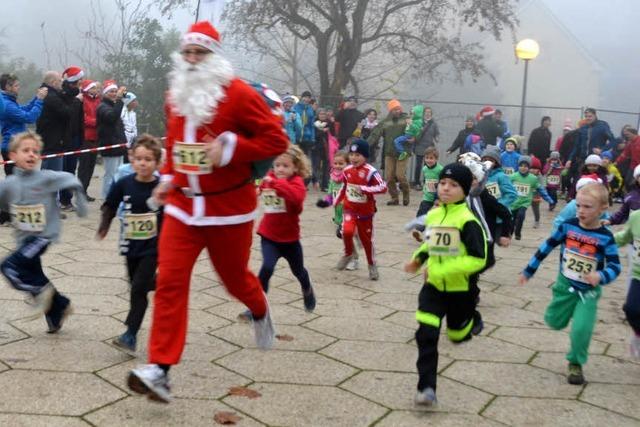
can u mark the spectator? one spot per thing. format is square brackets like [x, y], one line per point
[307, 117]
[129, 118]
[487, 127]
[324, 128]
[348, 118]
[428, 138]
[53, 123]
[111, 131]
[292, 121]
[458, 143]
[631, 154]
[389, 129]
[593, 136]
[72, 78]
[540, 140]
[504, 128]
[87, 161]
[365, 127]
[15, 118]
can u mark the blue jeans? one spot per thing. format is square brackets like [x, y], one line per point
[54, 164]
[23, 268]
[111, 165]
[69, 164]
[292, 252]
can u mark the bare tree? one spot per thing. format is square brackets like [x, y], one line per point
[381, 41]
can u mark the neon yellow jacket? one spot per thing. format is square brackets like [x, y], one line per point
[449, 263]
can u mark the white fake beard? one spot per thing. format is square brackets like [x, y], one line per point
[196, 90]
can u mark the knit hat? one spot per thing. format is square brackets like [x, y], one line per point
[607, 155]
[359, 146]
[512, 140]
[460, 174]
[593, 159]
[554, 155]
[203, 34]
[129, 98]
[108, 85]
[636, 172]
[73, 74]
[589, 179]
[88, 84]
[305, 93]
[393, 104]
[487, 111]
[288, 98]
[525, 159]
[492, 152]
[535, 163]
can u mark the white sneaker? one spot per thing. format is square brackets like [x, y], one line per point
[353, 265]
[426, 397]
[634, 346]
[264, 331]
[373, 272]
[344, 261]
[150, 380]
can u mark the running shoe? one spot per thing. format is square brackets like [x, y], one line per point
[426, 397]
[152, 381]
[264, 331]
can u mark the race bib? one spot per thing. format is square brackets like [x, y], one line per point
[522, 189]
[140, 226]
[443, 241]
[508, 171]
[576, 266]
[191, 158]
[271, 202]
[494, 190]
[430, 185]
[355, 195]
[553, 180]
[29, 217]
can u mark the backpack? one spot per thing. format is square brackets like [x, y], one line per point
[474, 144]
[260, 168]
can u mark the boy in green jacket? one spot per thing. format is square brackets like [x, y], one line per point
[454, 251]
[526, 185]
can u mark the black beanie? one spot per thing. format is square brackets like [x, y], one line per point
[359, 146]
[460, 174]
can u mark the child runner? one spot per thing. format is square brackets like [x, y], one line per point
[631, 201]
[430, 175]
[361, 182]
[614, 178]
[553, 174]
[593, 165]
[526, 185]
[510, 158]
[411, 132]
[498, 183]
[536, 167]
[454, 253]
[139, 230]
[282, 192]
[570, 210]
[631, 235]
[30, 195]
[589, 259]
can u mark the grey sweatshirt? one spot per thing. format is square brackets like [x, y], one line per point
[38, 189]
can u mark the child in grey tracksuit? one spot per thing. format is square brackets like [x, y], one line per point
[30, 195]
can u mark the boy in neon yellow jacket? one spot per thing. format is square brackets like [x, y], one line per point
[455, 250]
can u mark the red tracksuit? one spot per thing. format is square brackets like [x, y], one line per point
[211, 208]
[359, 185]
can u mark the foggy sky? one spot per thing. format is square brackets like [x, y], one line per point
[608, 33]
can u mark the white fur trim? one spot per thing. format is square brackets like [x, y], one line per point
[89, 86]
[201, 40]
[108, 88]
[166, 178]
[184, 217]
[229, 141]
[76, 77]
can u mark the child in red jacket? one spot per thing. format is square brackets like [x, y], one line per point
[361, 182]
[282, 193]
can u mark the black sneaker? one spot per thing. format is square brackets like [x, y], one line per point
[518, 237]
[58, 313]
[478, 324]
[90, 199]
[575, 377]
[309, 300]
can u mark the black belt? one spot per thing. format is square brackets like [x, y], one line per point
[190, 194]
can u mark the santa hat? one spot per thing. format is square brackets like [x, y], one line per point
[88, 84]
[202, 34]
[593, 159]
[108, 85]
[73, 74]
[587, 179]
[487, 111]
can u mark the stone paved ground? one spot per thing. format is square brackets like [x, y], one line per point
[350, 363]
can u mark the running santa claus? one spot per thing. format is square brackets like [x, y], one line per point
[217, 127]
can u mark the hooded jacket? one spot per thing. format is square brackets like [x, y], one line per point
[388, 129]
[53, 125]
[15, 118]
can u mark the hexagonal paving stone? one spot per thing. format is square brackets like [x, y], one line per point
[138, 411]
[392, 282]
[199, 346]
[508, 379]
[15, 309]
[93, 269]
[440, 419]
[91, 285]
[493, 299]
[361, 329]
[20, 420]
[402, 302]
[325, 290]
[366, 355]
[621, 398]
[598, 369]
[621, 351]
[77, 327]
[298, 405]
[542, 339]
[397, 391]
[97, 304]
[482, 348]
[54, 393]
[403, 318]
[349, 308]
[283, 314]
[508, 316]
[303, 339]
[9, 334]
[530, 292]
[552, 412]
[287, 366]
[60, 355]
[91, 255]
[611, 333]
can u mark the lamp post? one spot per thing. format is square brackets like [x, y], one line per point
[526, 50]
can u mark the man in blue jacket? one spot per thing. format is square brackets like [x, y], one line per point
[15, 118]
[308, 116]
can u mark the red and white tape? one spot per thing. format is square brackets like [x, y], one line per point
[72, 153]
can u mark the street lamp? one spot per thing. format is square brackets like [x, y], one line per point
[526, 50]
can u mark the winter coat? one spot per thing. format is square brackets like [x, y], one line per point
[15, 118]
[307, 116]
[632, 152]
[592, 136]
[631, 203]
[489, 130]
[90, 109]
[428, 137]
[54, 121]
[348, 119]
[293, 126]
[110, 127]
[540, 143]
[388, 129]
[458, 143]
[509, 161]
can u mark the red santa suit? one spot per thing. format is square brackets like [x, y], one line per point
[210, 207]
